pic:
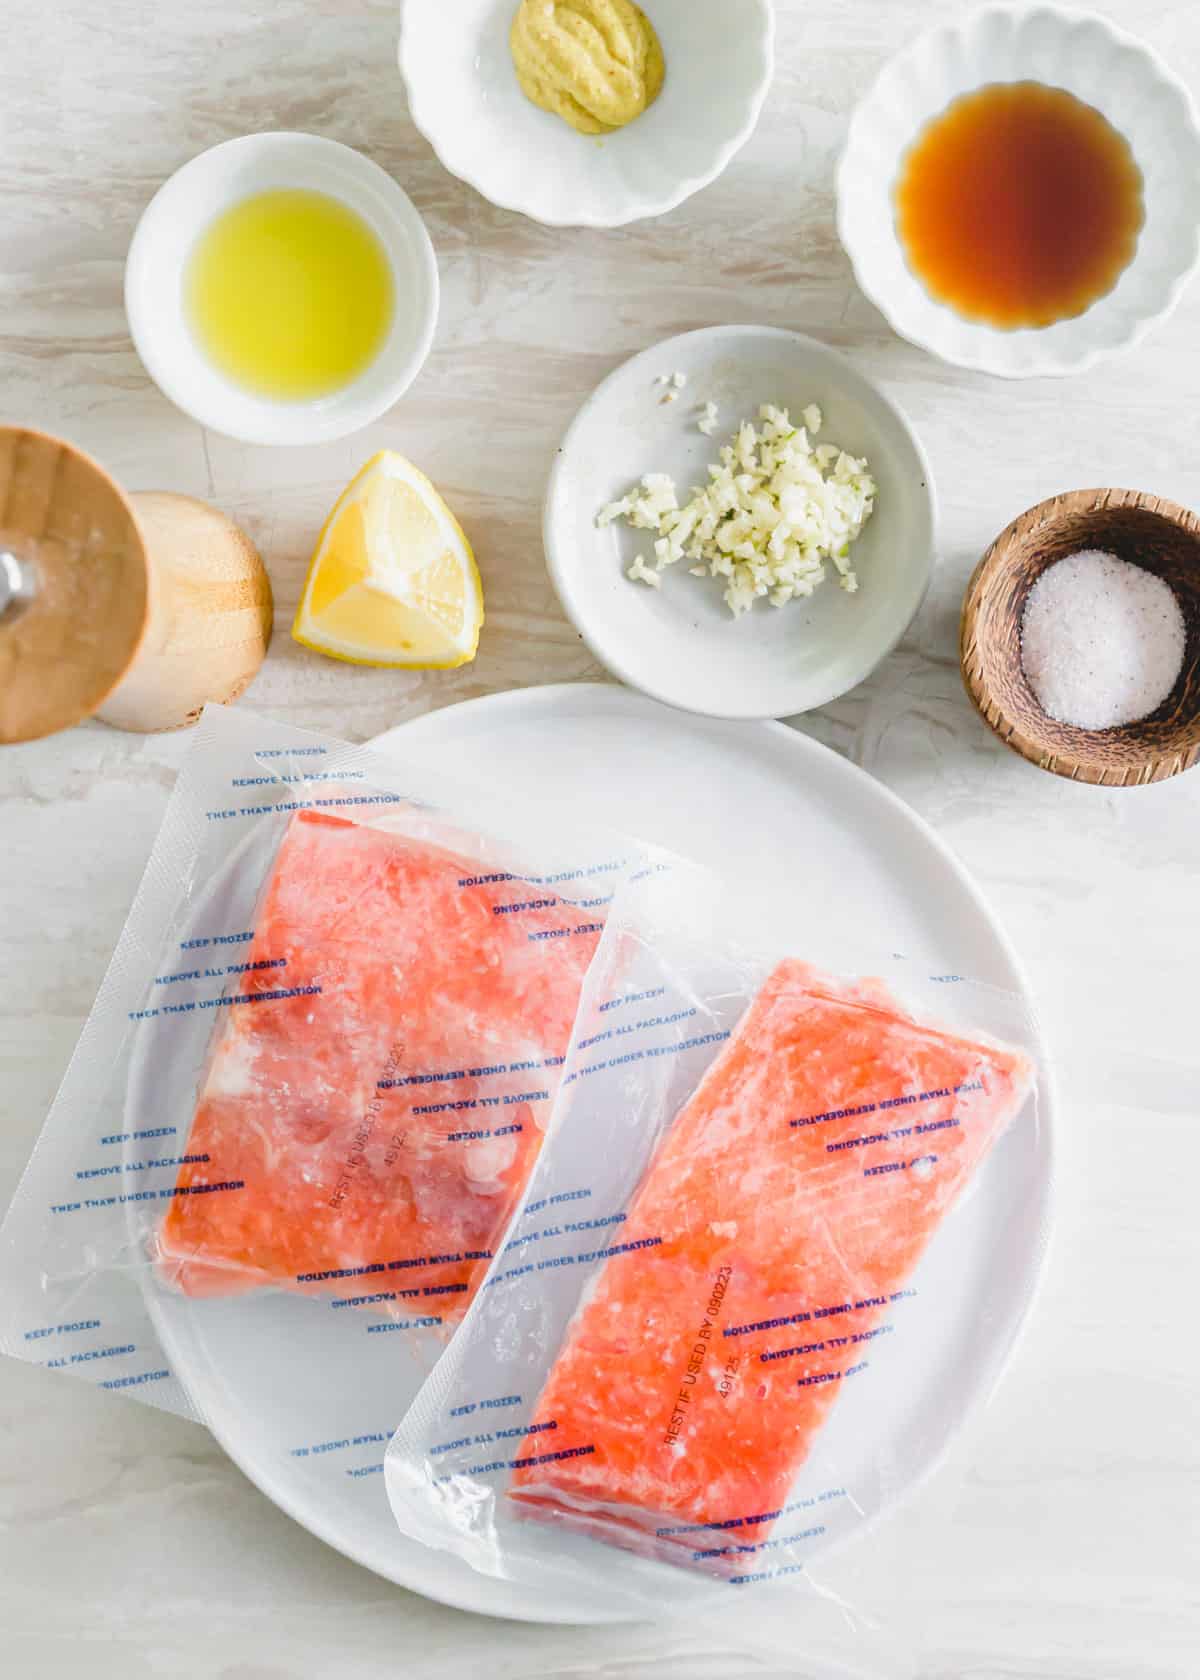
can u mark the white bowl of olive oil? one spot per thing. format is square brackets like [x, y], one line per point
[282, 288]
[1020, 190]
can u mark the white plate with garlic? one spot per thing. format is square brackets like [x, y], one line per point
[739, 523]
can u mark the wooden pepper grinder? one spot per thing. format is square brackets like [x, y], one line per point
[134, 609]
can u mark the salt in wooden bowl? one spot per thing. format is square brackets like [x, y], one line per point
[1158, 535]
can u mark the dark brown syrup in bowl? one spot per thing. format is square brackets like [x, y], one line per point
[1019, 205]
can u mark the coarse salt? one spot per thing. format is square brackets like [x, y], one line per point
[1102, 640]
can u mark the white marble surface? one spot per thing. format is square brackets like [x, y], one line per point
[1068, 1545]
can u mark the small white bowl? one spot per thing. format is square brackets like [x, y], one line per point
[679, 643]
[1098, 63]
[464, 96]
[163, 241]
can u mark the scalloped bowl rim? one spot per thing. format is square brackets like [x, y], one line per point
[638, 209]
[989, 356]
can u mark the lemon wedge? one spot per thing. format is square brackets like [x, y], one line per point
[393, 580]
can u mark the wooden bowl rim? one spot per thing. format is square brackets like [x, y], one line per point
[993, 564]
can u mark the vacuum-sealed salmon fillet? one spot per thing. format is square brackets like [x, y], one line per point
[377, 1090]
[788, 1203]
[311, 1091]
[778, 1242]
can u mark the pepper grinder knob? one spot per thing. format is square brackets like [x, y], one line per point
[18, 584]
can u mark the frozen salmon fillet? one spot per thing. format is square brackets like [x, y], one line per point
[375, 1095]
[790, 1200]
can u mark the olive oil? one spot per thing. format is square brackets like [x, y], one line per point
[1019, 205]
[289, 294]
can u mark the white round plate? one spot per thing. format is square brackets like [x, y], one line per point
[1100, 64]
[464, 96]
[679, 643]
[276, 1377]
[187, 203]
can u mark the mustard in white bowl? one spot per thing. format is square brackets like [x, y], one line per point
[466, 98]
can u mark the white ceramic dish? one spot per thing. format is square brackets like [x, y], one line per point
[679, 643]
[303, 1399]
[464, 97]
[1098, 63]
[185, 205]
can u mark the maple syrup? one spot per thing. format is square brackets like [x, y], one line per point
[1019, 205]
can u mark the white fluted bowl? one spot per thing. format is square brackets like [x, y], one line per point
[1088, 57]
[464, 97]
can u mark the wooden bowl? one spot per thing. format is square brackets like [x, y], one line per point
[1159, 535]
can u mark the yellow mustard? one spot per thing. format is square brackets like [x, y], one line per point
[597, 64]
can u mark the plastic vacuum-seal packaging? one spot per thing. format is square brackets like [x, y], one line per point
[320, 1066]
[782, 1234]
